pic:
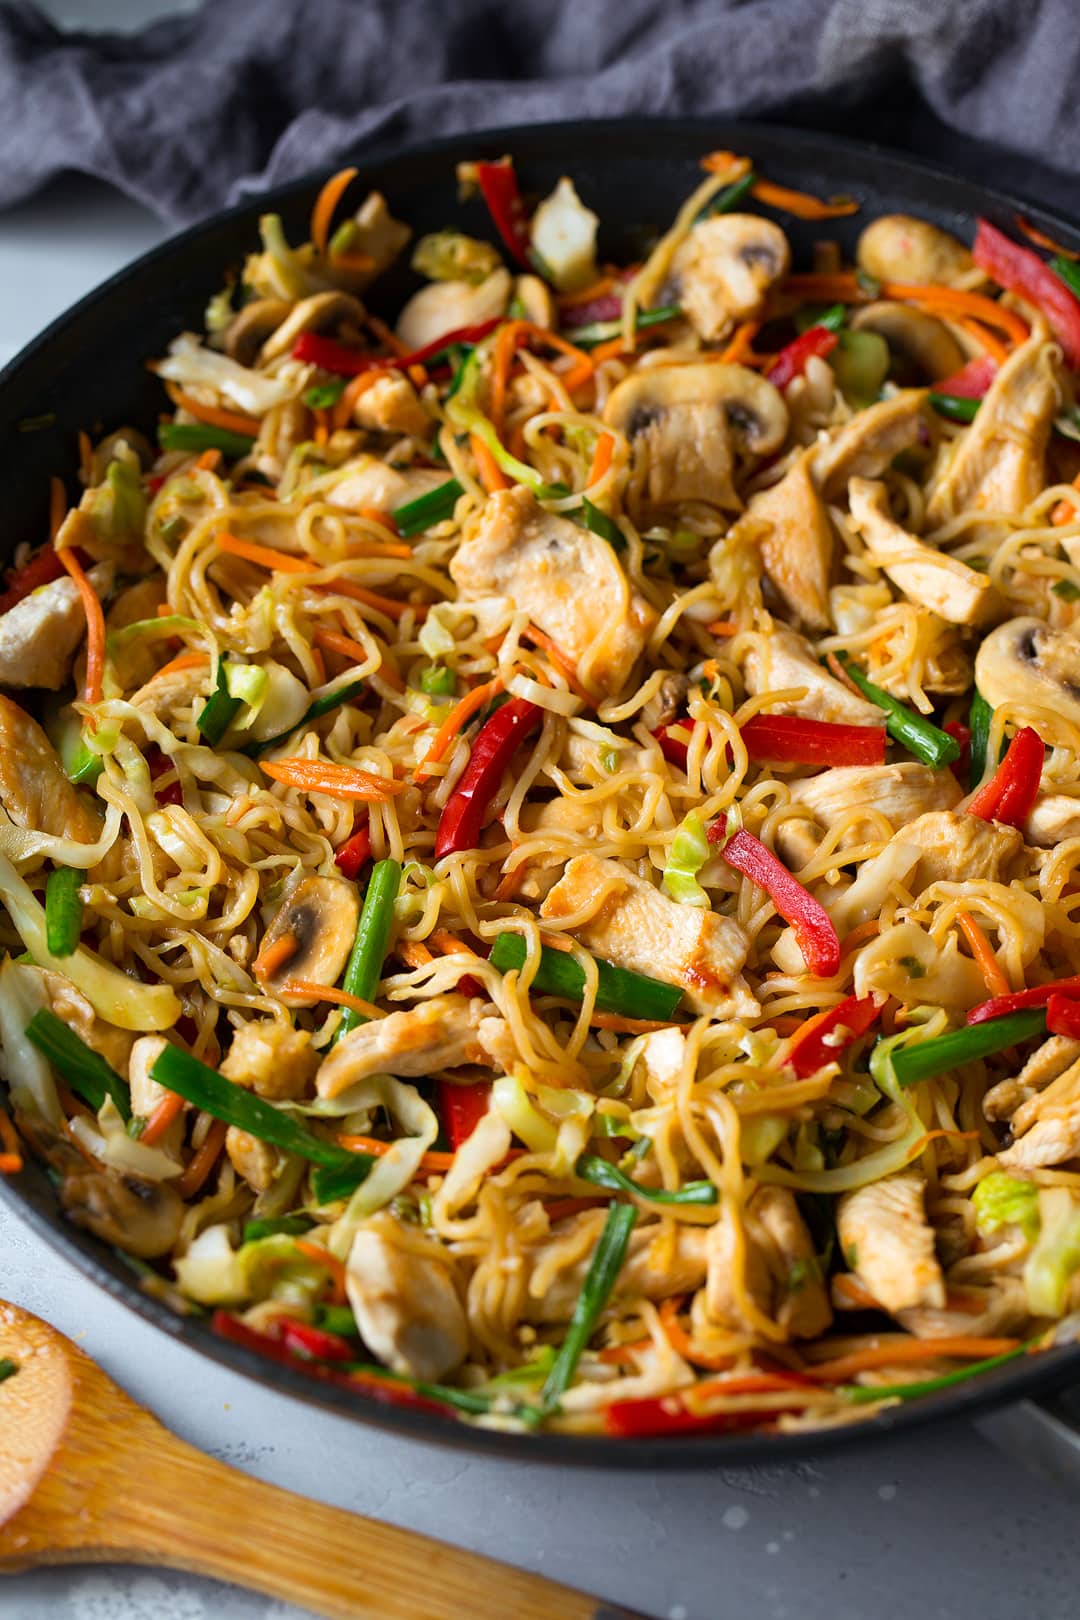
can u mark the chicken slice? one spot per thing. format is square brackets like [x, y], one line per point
[958, 846]
[797, 549]
[401, 1289]
[1003, 1309]
[33, 788]
[999, 463]
[662, 1259]
[899, 792]
[569, 581]
[438, 1034]
[661, 1056]
[565, 824]
[72, 1008]
[392, 405]
[1055, 817]
[783, 660]
[270, 1058]
[782, 1276]
[927, 576]
[1046, 1127]
[887, 1240]
[39, 636]
[254, 1160]
[374, 483]
[1046, 1063]
[633, 925]
[866, 445]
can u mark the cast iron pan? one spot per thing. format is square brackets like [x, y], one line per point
[88, 368]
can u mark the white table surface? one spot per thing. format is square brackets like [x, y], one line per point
[938, 1526]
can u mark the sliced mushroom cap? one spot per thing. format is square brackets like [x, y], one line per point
[923, 342]
[321, 914]
[322, 312]
[536, 299]
[444, 306]
[725, 267]
[1025, 662]
[141, 1217]
[248, 331]
[898, 247]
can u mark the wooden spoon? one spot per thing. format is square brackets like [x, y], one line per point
[89, 1476]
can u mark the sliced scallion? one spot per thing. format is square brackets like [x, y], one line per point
[85, 1070]
[599, 523]
[600, 1279]
[427, 510]
[195, 437]
[922, 1059]
[618, 990]
[63, 910]
[920, 737]
[364, 968]
[590, 1167]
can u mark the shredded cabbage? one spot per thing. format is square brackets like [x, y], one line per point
[27, 1071]
[452, 256]
[110, 1143]
[1002, 1200]
[192, 365]
[393, 1171]
[688, 854]
[1055, 1258]
[214, 1273]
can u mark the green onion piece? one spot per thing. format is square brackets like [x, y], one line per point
[1068, 272]
[599, 1281]
[437, 680]
[195, 437]
[85, 1070]
[599, 523]
[473, 1402]
[618, 990]
[7, 1368]
[364, 968]
[321, 396]
[926, 741]
[731, 196]
[456, 354]
[322, 705]
[867, 1394]
[590, 1167]
[831, 317]
[328, 1184]
[979, 723]
[922, 1059]
[219, 711]
[954, 406]
[178, 1071]
[336, 1319]
[587, 337]
[1067, 589]
[63, 910]
[289, 1225]
[427, 510]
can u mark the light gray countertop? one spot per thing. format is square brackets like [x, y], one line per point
[938, 1525]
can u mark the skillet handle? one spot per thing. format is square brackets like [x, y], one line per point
[1044, 1435]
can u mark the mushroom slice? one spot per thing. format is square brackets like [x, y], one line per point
[683, 422]
[724, 268]
[797, 547]
[897, 247]
[444, 306]
[322, 312]
[866, 445]
[999, 464]
[943, 584]
[1025, 662]
[321, 915]
[248, 331]
[922, 342]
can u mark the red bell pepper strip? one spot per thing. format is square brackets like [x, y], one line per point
[1038, 996]
[499, 189]
[350, 856]
[812, 925]
[674, 750]
[795, 741]
[496, 743]
[1019, 270]
[1012, 790]
[158, 764]
[461, 1108]
[43, 567]
[791, 361]
[819, 1041]
[961, 768]
[1063, 1016]
[338, 357]
[668, 1414]
[313, 1343]
[971, 381]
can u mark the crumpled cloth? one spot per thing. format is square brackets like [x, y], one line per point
[188, 114]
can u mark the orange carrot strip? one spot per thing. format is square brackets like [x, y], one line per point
[858, 936]
[739, 349]
[800, 203]
[57, 506]
[413, 953]
[385, 520]
[507, 338]
[274, 954]
[562, 660]
[601, 461]
[341, 412]
[209, 461]
[95, 624]
[325, 204]
[204, 1161]
[1066, 511]
[11, 1159]
[987, 340]
[595, 289]
[323, 1257]
[185, 660]
[1033, 234]
[448, 944]
[491, 474]
[386, 335]
[959, 1346]
[983, 952]
[353, 261]
[86, 456]
[843, 288]
[232, 421]
[338, 781]
[387, 605]
[435, 1162]
[170, 1108]
[626, 1026]
[720, 162]
[620, 1355]
[681, 1342]
[329, 992]
[723, 627]
[330, 641]
[279, 562]
[458, 717]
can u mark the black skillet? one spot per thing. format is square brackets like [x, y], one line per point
[88, 368]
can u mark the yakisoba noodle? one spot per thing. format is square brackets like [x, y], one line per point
[404, 958]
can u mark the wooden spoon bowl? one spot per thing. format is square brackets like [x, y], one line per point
[89, 1476]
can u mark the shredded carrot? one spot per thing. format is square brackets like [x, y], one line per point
[341, 412]
[329, 992]
[359, 262]
[330, 641]
[184, 660]
[983, 952]
[338, 781]
[323, 1257]
[86, 457]
[608, 351]
[507, 338]
[209, 461]
[800, 203]
[510, 882]
[582, 373]
[11, 1159]
[886, 1354]
[274, 954]
[785, 1024]
[681, 1342]
[987, 340]
[95, 624]
[1033, 234]
[491, 474]
[204, 1161]
[562, 660]
[844, 288]
[622, 1355]
[458, 717]
[557, 1209]
[385, 520]
[414, 953]
[387, 605]
[859, 936]
[281, 562]
[626, 1026]
[386, 335]
[595, 289]
[739, 350]
[435, 1162]
[601, 461]
[213, 415]
[448, 944]
[853, 1294]
[58, 506]
[320, 664]
[1066, 511]
[168, 1109]
[325, 204]
[723, 627]
[721, 162]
